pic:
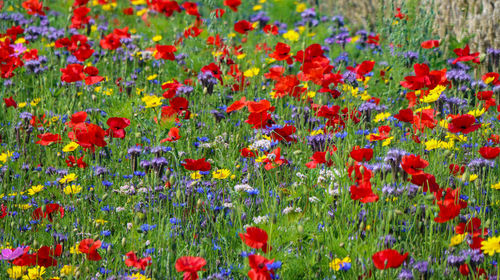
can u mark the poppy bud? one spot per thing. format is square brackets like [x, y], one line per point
[171, 180]
[465, 177]
[341, 245]
[77, 275]
[398, 212]
[123, 241]
[300, 229]
[199, 203]
[178, 193]
[389, 216]
[429, 197]
[328, 156]
[104, 197]
[108, 249]
[297, 152]
[167, 172]
[35, 243]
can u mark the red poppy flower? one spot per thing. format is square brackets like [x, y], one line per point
[430, 44]
[256, 238]
[464, 124]
[245, 152]
[319, 158]
[465, 55]
[489, 152]
[89, 247]
[426, 181]
[72, 73]
[73, 162]
[9, 102]
[44, 256]
[34, 7]
[3, 211]
[450, 206]
[484, 95]
[473, 227]
[117, 127]
[218, 12]
[413, 164]
[259, 107]
[388, 259]
[400, 15]
[197, 165]
[173, 135]
[383, 133]
[362, 69]
[80, 18]
[165, 52]
[166, 7]
[128, 11]
[456, 169]
[50, 211]
[424, 78]
[132, 260]
[243, 26]
[271, 29]
[93, 75]
[48, 138]
[237, 105]
[281, 52]
[89, 137]
[275, 160]
[361, 154]
[259, 270]
[191, 8]
[232, 4]
[190, 266]
[284, 134]
[491, 78]
[364, 193]
[77, 120]
[405, 115]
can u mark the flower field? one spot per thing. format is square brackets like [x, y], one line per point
[230, 139]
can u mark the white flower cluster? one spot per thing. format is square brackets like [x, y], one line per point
[261, 145]
[290, 209]
[243, 188]
[260, 220]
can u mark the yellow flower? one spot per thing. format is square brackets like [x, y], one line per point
[138, 276]
[291, 35]
[472, 177]
[22, 105]
[257, 7]
[434, 94]
[221, 174]
[301, 7]
[70, 147]
[491, 246]
[460, 138]
[35, 273]
[496, 186]
[477, 112]
[67, 270]
[431, 144]
[152, 77]
[5, 156]
[251, 72]
[317, 132]
[68, 178]
[196, 175]
[16, 272]
[74, 249]
[241, 56]
[73, 189]
[157, 38]
[152, 101]
[337, 263]
[35, 102]
[457, 239]
[23, 206]
[261, 158]
[138, 2]
[382, 117]
[387, 141]
[100, 221]
[35, 189]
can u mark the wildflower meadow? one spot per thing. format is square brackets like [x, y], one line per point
[237, 139]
